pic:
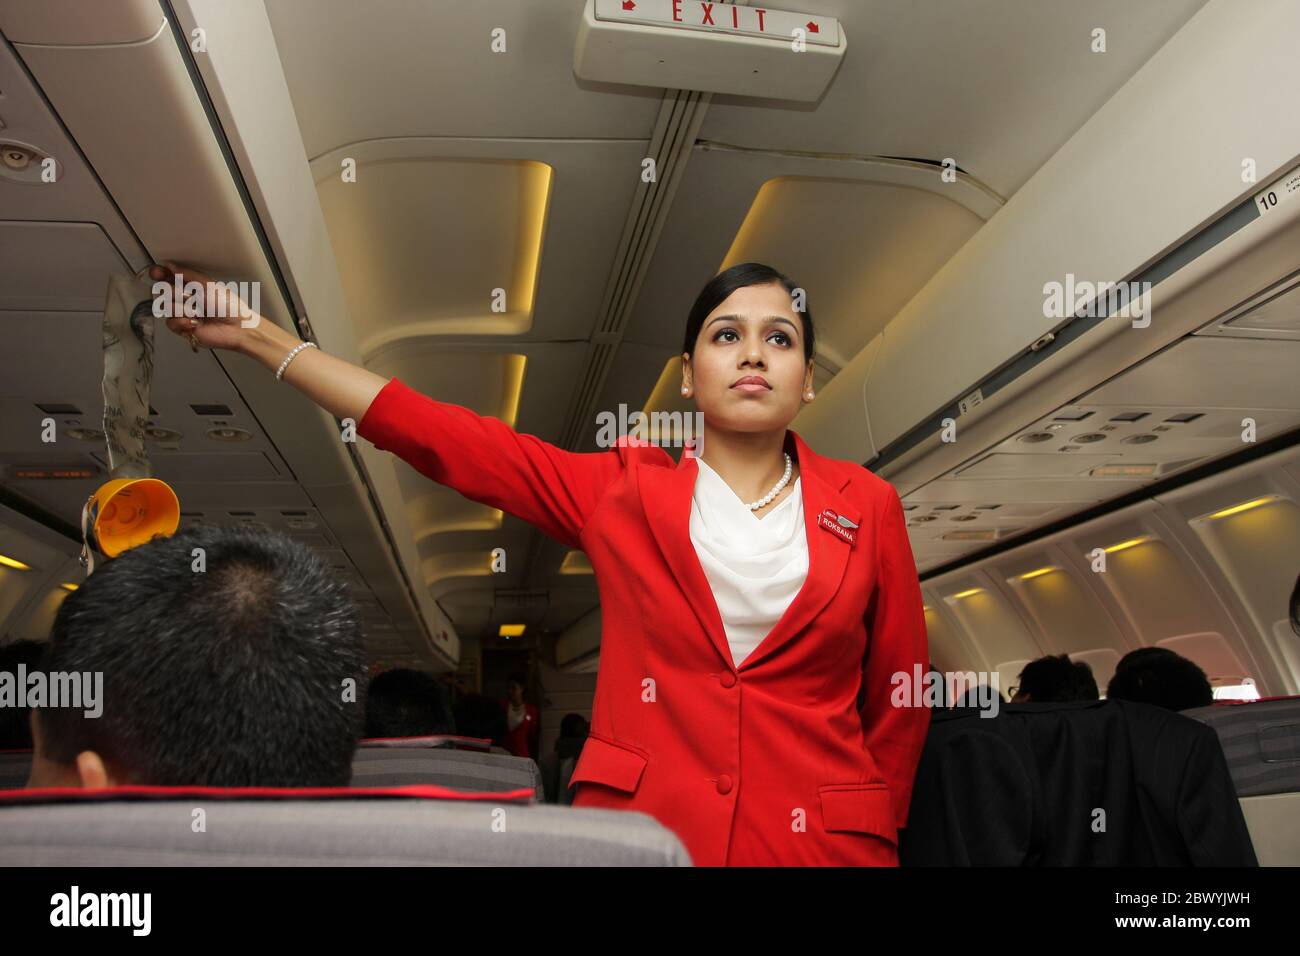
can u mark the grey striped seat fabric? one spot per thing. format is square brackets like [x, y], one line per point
[457, 769]
[14, 768]
[434, 740]
[330, 832]
[1261, 741]
[387, 767]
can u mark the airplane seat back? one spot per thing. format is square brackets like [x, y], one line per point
[155, 826]
[384, 767]
[15, 766]
[441, 766]
[1261, 741]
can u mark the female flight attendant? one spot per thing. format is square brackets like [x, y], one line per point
[760, 602]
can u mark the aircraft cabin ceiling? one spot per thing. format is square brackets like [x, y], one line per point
[468, 160]
[496, 246]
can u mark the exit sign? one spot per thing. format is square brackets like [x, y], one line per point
[724, 18]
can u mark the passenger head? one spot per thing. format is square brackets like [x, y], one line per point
[573, 725]
[936, 679]
[482, 717]
[749, 320]
[979, 696]
[1055, 680]
[407, 703]
[230, 657]
[15, 722]
[515, 688]
[1156, 675]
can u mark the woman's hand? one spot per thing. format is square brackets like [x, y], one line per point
[224, 320]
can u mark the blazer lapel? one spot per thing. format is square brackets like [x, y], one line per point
[828, 554]
[666, 499]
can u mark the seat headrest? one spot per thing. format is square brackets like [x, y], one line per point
[435, 740]
[518, 795]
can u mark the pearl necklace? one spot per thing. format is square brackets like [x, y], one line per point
[789, 467]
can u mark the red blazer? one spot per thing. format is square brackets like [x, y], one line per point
[797, 756]
[520, 740]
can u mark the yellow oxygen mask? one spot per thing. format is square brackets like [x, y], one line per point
[126, 512]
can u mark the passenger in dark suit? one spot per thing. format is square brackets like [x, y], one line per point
[1089, 783]
[1054, 679]
[407, 703]
[1156, 675]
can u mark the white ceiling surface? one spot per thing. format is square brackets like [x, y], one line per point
[411, 234]
[456, 536]
[998, 86]
[363, 71]
[861, 238]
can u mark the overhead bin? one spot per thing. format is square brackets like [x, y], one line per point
[122, 86]
[81, 22]
[1160, 209]
[838, 423]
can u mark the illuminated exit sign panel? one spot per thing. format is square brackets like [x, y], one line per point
[709, 46]
[726, 18]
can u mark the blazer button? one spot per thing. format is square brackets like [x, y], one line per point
[724, 784]
[728, 679]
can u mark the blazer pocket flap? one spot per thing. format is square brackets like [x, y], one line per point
[860, 808]
[603, 761]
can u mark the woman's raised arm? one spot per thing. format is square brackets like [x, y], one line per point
[483, 458]
[225, 322]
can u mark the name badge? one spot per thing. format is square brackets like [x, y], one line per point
[838, 525]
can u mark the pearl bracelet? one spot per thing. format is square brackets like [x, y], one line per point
[293, 353]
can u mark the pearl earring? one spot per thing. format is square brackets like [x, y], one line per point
[684, 389]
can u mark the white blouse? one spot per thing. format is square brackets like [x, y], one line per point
[754, 565]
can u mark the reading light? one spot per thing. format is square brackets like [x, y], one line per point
[1041, 571]
[1131, 542]
[511, 630]
[1123, 471]
[1245, 506]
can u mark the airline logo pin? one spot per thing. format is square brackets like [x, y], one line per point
[837, 525]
